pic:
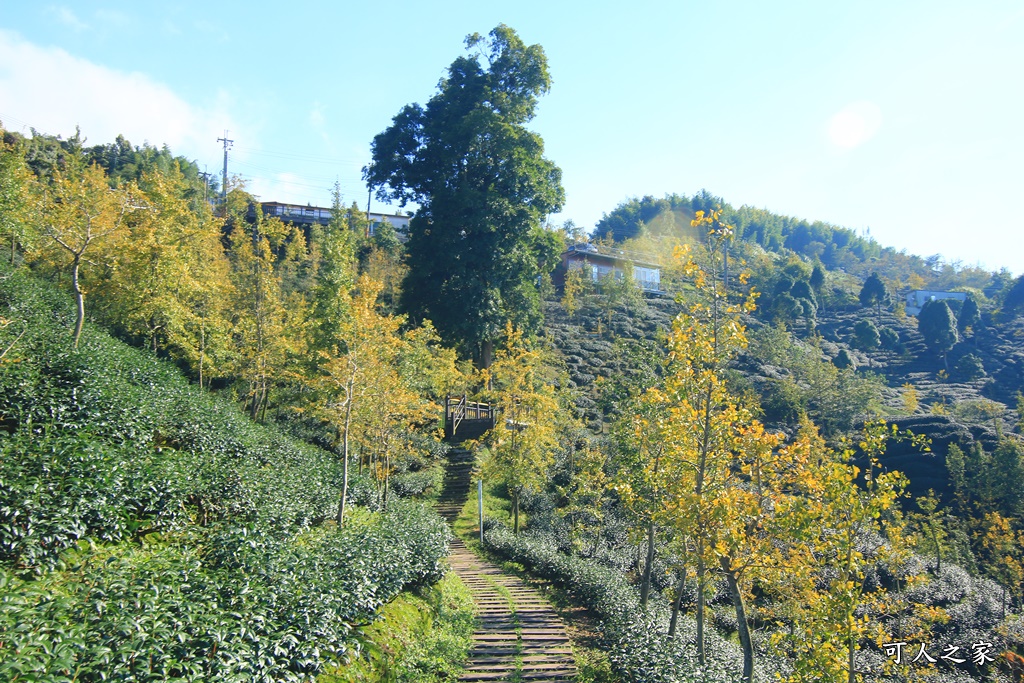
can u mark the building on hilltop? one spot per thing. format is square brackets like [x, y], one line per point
[599, 261]
[919, 297]
[307, 215]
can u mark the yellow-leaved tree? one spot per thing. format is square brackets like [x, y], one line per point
[16, 226]
[354, 382]
[171, 282]
[525, 435]
[713, 450]
[378, 383]
[850, 528]
[268, 328]
[83, 216]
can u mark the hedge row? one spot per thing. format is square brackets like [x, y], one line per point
[150, 532]
[240, 606]
[638, 643]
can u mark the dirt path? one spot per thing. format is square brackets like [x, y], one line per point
[519, 636]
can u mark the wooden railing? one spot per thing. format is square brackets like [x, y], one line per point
[459, 408]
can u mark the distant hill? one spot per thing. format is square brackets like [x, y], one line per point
[836, 247]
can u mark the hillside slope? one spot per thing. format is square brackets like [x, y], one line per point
[149, 529]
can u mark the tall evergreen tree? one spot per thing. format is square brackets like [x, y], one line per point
[938, 326]
[874, 293]
[969, 316]
[483, 187]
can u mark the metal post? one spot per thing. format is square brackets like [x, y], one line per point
[480, 506]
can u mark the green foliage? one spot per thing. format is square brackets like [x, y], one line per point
[889, 339]
[423, 635]
[635, 216]
[334, 277]
[968, 368]
[817, 280]
[866, 335]
[1013, 299]
[59, 487]
[254, 606]
[783, 401]
[937, 325]
[969, 315]
[844, 361]
[874, 292]
[636, 640]
[834, 397]
[483, 188]
[151, 531]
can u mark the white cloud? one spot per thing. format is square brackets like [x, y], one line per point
[112, 18]
[67, 17]
[287, 187]
[854, 124]
[53, 91]
[316, 116]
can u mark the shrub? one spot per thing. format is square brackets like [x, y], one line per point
[865, 335]
[968, 368]
[638, 645]
[843, 360]
[150, 532]
[889, 339]
[256, 606]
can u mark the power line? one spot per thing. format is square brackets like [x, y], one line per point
[248, 164]
[318, 158]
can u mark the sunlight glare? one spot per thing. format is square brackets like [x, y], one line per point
[854, 124]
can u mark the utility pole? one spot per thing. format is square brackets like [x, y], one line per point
[206, 184]
[224, 180]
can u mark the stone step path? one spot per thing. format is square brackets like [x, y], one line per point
[519, 637]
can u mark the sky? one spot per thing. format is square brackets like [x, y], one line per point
[901, 119]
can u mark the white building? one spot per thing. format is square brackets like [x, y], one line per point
[919, 297]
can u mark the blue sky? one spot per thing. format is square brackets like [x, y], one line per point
[902, 118]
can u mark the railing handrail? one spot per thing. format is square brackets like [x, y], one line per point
[459, 414]
[458, 409]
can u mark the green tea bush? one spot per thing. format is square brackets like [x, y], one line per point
[637, 641]
[58, 487]
[150, 532]
[250, 607]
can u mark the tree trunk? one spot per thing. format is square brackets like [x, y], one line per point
[725, 262]
[344, 467]
[645, 584]
[202, 350]
[743, 630]
[266, 402]
[851, 676]
[486, 354]
[700, 610]
[677, 603]
[79, 300]
[387, 478]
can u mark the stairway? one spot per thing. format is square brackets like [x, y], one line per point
[458, 479]
[519, 637]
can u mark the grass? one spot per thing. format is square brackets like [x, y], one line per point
[422, 636]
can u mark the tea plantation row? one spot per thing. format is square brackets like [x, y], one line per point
[149, 532]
